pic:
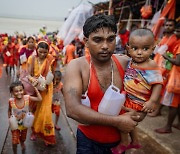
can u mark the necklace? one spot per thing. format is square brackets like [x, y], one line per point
[102, 86]
[39, 62]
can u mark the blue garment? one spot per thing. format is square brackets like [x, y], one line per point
[88, 146]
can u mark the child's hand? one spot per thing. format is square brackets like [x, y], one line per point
[148, 107]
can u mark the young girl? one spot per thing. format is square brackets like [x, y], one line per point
[19, 106]
[58, 86]
[142, 81]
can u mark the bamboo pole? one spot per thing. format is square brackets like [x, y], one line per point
[110, 11]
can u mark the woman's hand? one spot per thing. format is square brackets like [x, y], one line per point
[35, 83]
[165, 55]
[33, 80]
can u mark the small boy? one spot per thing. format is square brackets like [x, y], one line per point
[57, 89]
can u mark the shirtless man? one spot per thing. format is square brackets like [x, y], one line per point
[97, 133]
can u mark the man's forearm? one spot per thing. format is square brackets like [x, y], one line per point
[86, 115]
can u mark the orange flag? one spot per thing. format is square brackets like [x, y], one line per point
[169, 12]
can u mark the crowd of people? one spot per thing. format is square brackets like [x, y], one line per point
[35, 67]
[109, 59]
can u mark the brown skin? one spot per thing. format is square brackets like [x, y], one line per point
[173, 112]
[169, 28]
[174, 61]
[31, 44]
[101, 45]
[140, 48]
[42, 54]
[57, 80]
[18, 93]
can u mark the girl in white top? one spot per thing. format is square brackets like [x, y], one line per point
[19, 106]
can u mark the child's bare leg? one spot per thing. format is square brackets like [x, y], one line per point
[123, 145]
[134, 137]
[158, 109]
[56, 123]
[23, 147]
[23, 139]
[33, 136]
[56, 120]
[124, 139]
[15, 148]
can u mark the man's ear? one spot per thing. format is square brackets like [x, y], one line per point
[127, 46]
[85, 39]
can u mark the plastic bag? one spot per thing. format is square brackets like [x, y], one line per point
[23, 58]
[146, 11]
[49, 77]
[156, 17]
[73, 26]
[162, 49]
[173, 84]
[41, 83]
[168, 64]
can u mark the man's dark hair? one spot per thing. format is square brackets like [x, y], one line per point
[73, 42]
[58, 74]
[141, 32]
[177, 26]
[43, 44]
[15, 84]
[96, 22]
[171, 20]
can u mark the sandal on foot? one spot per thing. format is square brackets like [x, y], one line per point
[134, 146]
[119, 149]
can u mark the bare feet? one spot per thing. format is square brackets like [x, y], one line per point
[119, 149]
[177, 126]
[154, 114]
[164, 130]
[23, 148]
[33, 137]
[57, 128]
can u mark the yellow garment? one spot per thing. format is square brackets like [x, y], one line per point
[43, 123]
